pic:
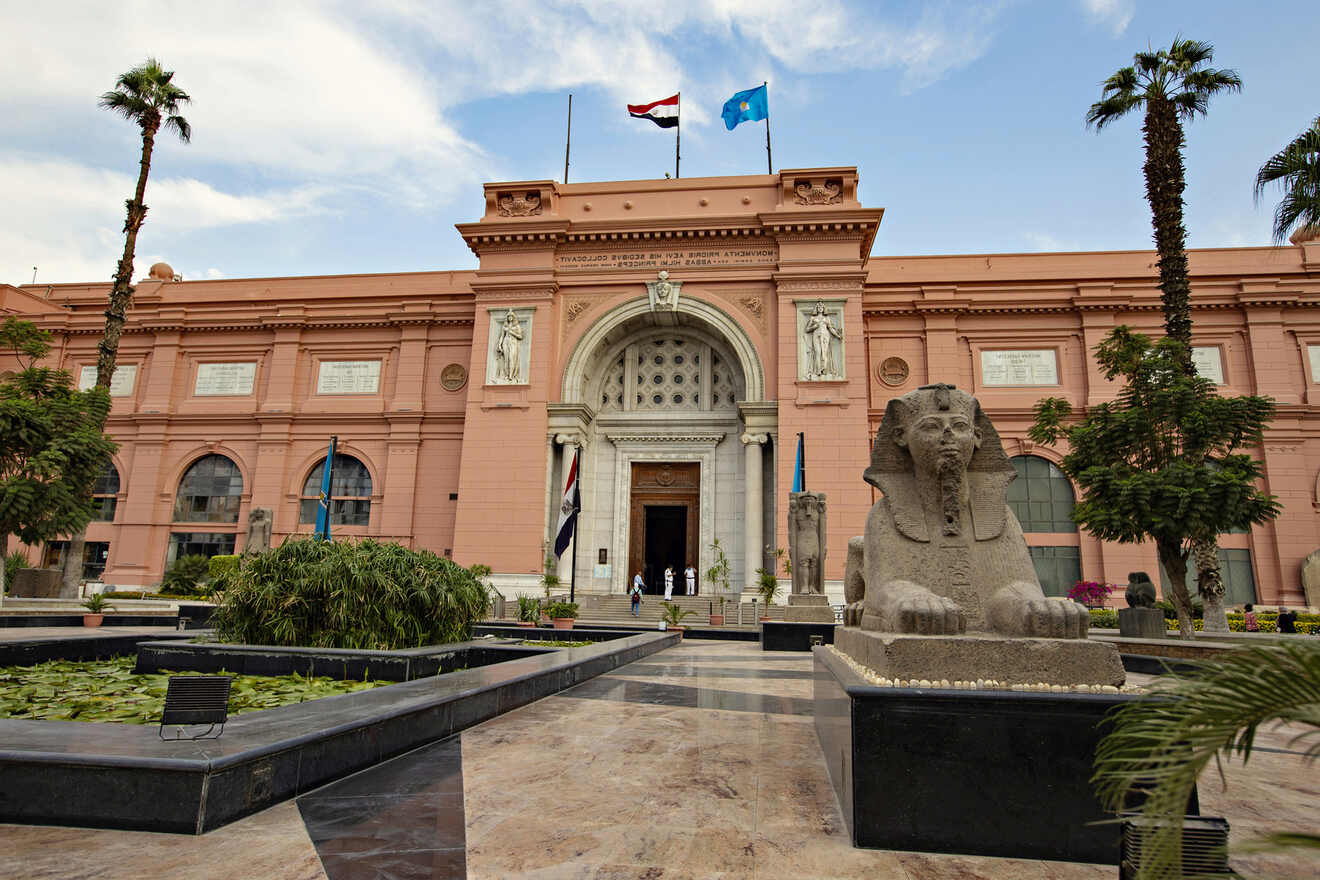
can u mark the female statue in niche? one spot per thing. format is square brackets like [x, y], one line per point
[820, 331]
[508, 350]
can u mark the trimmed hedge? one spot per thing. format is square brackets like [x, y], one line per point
[1107, 618]
[365, 594]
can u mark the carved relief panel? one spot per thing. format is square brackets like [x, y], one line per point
[510, 346]
[820, 339]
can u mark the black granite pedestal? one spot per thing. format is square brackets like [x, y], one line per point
[779, 635]
[996, 773]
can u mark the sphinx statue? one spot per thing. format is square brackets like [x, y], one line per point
[943, 554]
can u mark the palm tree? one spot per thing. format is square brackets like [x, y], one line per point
[1173, 85]
[1161, 745]
[1297, 167]
[146, 96]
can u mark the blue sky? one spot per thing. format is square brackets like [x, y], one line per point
[350, 137]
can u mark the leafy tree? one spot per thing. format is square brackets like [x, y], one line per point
[147, 97]
[1297, 168]
[1172, 85]
[1161, 462]
[51, 445]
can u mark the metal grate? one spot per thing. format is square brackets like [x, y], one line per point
[196, 700]
[1204, 845]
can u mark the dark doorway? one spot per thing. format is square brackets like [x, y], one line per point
[666, 544]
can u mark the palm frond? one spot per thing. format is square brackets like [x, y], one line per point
[1160, 745]
[1187, 54]
[1297, 167]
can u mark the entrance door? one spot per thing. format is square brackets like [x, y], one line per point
[663, 520]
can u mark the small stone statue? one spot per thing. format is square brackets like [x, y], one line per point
[820, 333]
[806, 541]
[258, 530]
[1140, 591]
[508, 350]
[943, 552]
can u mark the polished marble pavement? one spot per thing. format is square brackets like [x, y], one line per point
[700, 761]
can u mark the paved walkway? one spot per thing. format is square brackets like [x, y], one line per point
[697, 762]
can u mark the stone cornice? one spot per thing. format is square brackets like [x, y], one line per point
[659, 437]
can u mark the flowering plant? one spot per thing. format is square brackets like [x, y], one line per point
[1092, 594]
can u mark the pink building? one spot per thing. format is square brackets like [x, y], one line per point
[681, 333]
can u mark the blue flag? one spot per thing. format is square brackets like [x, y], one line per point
[322, 532]
[799, 476]
[751, 105]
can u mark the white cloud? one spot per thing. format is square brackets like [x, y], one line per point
[71, 217]
[1113, 14]
[1044, 241]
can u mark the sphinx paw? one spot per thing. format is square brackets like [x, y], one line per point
[1052, 619]
[929, 615]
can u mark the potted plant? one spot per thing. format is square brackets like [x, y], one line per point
[562, 613]
[529, 610]
[768, 588]
[674, 616]
[549, 580]
[718, 575]
[96, 606]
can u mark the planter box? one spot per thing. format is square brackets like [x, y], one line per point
[996, 773]
[564, 622]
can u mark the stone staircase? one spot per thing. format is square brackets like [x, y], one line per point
[616, 609]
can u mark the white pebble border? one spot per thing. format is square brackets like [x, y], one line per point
[982, 684]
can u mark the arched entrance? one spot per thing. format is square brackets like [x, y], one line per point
[660, 402]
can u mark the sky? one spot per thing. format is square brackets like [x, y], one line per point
[350, 137]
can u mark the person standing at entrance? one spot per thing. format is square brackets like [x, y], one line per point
[669, 582]
[635, 594]
[691, 574]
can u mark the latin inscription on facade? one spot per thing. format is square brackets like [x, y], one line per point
[1020, 367]
[225, 379]
[121, 384]
[348, 377]
[1208, 365]
[750, 254]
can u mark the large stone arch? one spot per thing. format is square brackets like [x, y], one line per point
[628, 317]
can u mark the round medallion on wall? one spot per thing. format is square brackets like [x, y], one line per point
[453, 377]
[894, 371]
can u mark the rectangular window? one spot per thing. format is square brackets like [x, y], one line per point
[343, 511]
[95, 554]
[1058, 568]
[1234, 569]
[206, 544]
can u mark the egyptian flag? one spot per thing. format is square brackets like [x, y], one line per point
[568, 510]
[663, 113]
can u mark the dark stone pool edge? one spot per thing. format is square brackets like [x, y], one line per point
[53, 772]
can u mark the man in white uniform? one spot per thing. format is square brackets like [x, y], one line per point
[669, 582]
[691, 574]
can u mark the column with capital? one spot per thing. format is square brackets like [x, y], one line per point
[752, 509]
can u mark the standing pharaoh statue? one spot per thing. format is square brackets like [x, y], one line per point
[258, 530]
[943, 553]
[806, 542]
[508, 350]
[820, 333]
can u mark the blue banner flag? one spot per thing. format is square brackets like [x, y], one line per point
[323, 503]
[799, 475]
[751, 105]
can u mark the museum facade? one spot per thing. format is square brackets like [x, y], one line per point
[679, 335]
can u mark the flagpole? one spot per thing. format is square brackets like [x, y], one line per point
[678, 133]
[568, 138]
[577, 522]
[769, 164]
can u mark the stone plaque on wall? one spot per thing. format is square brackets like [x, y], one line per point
[1207, 362]
[348, 377]
[1313, 354]
[121, 384]
[225, 379]
[1019, 367]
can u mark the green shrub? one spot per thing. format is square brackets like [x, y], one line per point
[1104, 618]
[185, 576]
[220, 566]
[561, 609]
[13, 562]
[365, 594]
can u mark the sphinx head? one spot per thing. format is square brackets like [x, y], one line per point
[937, 426]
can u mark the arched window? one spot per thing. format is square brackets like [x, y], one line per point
[209, 491]
[350, 492]
[105, 492]
[1041, 496]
